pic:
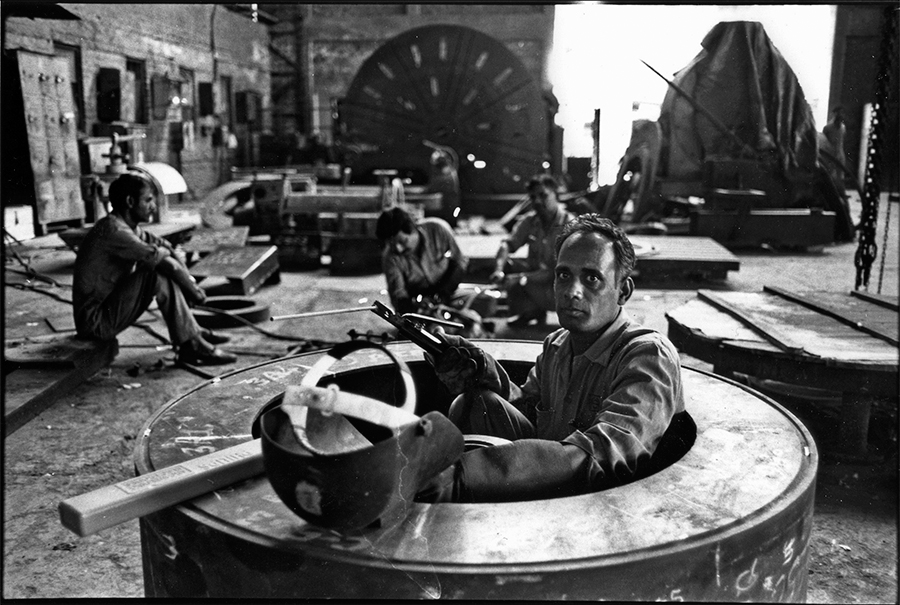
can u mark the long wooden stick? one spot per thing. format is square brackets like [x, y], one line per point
[149, 493]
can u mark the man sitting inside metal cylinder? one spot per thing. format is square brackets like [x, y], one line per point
[422, 261]
[602, 406]
[120, 268]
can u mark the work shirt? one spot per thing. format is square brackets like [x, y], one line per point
[614, 401]
[541, 242]
[111, 251]
[422, 269]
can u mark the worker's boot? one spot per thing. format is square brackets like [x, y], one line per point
[198, 352]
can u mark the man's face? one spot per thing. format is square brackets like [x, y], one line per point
[543, 200]
[587, 294]
[404, 243]
[142, 208]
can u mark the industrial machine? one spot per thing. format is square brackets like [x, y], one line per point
[458, 88]
[312, 223]
[734, 154]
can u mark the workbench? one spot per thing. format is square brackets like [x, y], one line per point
[174, 232]
[835, 341]
[658, 257]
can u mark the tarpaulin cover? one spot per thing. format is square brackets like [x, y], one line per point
[745, 82]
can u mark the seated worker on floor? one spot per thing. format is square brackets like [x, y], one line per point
[595, 407]
[530, 294]
[120, 268]
[419, 260]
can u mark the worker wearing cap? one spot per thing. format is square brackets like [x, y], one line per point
[420, 259]
[120, 269]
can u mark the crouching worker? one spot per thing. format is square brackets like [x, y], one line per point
[420, 260]
[120, 268]
[602, 406]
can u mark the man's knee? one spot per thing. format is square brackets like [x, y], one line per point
[471, 405]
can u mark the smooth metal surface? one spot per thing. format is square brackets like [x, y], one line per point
[729, 521]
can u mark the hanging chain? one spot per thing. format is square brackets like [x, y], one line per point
[868, 249]
[884, 242]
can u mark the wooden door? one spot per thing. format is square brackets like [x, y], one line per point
[52, 139]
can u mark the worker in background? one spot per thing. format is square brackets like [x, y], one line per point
[120, 269]
[834, 133]
[603, 397]
[445, 180]
[530, 293]
[419, 260]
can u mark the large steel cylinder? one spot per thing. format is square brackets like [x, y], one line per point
[729, 521]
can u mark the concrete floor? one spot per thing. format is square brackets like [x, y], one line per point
[86, 439]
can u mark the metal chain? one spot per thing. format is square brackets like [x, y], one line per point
[868, 249]
[884, 242]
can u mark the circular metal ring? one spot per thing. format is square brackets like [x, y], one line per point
[731, 520]
[241, 307]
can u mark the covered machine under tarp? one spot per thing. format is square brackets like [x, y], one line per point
[734, 119]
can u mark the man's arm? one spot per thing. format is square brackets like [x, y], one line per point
[396, 285]
[645, 397]
[500, 261]
[172, 268]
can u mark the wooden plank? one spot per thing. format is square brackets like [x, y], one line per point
[245, 268]
[204, 241]
[31, 391]
[53, 349]
[671, 255]
[888, 302]
[763, 328]
[114, 504]
[831, 312]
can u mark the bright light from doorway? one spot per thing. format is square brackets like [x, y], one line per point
[598, 48]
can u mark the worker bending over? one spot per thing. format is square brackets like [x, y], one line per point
[530, 293]
[420, 259]
[602, 406]
[120, 269]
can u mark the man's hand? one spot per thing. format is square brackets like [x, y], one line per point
[194, 293]
[498, 278]
[458, 367]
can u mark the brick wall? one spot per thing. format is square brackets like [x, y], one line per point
[168, 38]
[338, 38]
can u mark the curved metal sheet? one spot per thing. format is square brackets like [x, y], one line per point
[730, 521]
[169, 180]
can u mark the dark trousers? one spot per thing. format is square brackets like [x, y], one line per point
[483, 412]
[131, 298]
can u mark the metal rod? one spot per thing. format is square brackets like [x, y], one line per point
[709, 116]
[436, 320]
[320, 313]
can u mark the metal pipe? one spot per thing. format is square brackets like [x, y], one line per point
[320, 313]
